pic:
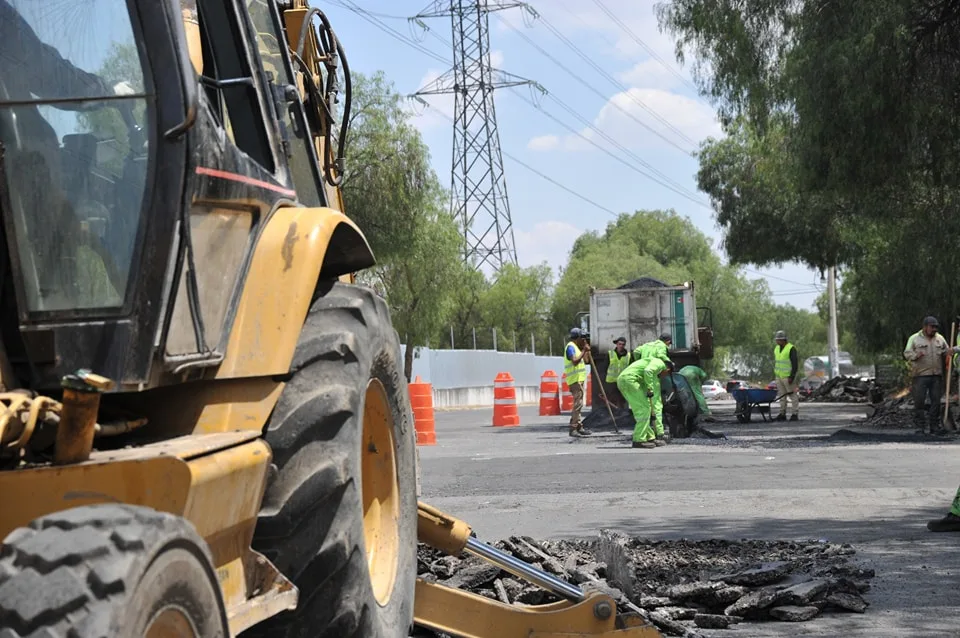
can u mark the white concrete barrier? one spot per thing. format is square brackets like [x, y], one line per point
[464, 378]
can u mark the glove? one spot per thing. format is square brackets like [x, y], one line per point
[123, 88]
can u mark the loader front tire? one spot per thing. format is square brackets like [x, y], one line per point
[109, 571]
[339, 516]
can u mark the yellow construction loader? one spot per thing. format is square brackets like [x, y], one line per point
[205, 428]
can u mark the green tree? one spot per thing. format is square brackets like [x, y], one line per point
[388, 170]
[392, 193]
[842, 145]
[517, 303]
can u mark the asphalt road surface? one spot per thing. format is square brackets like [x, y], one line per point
[765, 481]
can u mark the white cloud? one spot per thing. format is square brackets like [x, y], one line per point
[496, 59]
[544, 143]
[637, 15]
[650, 73]
[621, 117]
[548, 241]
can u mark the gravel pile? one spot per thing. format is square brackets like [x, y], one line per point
[679, 586]
[848, 390]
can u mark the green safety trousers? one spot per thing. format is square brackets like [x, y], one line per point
[639, 378]
[955, 506]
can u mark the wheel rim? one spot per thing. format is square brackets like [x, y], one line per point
[170, 623]
[380, 492]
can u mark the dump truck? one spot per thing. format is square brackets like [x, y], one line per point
[643, 310]
[640, 311]
[206, 429]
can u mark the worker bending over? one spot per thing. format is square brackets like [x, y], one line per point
[656, 349]
[786, 365]
[575, 358]
[695, 377]
[619, 360]
[640, 383]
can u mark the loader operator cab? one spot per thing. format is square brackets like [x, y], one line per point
[144, 145]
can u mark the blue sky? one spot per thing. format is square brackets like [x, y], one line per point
[650, 98]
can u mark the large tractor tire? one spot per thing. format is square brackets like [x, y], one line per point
[340, 514]
[109, 571]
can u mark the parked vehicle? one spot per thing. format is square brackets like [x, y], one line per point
[712, 389]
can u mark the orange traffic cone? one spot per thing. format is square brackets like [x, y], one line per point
[421, 400]
[566, 399]
[549, 394]
[504, 401]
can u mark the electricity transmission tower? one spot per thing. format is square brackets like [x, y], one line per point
[478, 187]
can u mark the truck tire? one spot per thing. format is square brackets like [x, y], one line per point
[108, 571]
[339, 516]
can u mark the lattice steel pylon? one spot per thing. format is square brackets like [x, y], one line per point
[478, 191]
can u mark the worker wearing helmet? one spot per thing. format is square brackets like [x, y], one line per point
[619, 359]
[575, 358]
[640, 383]
[786, 364]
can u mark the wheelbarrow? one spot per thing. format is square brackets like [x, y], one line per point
[750, 399]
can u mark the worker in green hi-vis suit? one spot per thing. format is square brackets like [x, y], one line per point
[638, 384]
[695, 377]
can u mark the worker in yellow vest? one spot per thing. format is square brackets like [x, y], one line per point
[576, 356]
[785, 368]
[619, 360]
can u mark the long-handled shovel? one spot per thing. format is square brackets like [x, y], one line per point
[946, 405]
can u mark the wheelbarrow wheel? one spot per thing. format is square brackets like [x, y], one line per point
[743, 412]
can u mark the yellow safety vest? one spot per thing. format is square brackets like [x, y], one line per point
[617, 365]
[575, 373]
[782, 366]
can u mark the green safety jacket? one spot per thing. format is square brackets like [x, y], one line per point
[782, 366]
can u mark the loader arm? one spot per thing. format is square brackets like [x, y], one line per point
[462, 613]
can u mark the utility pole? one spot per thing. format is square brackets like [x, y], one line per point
[832, 337]
[478, 191]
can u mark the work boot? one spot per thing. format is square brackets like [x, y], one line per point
[574, 432]
[781, 417]
[665, 437]
[584, 431]
[795, 417]
[646, 445]
[949, 523]
[659, 442]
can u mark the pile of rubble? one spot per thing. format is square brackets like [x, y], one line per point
[895, 412]
[679, 586]
[848, 390]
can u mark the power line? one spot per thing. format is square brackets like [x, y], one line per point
[769, 276]
[586, 58]
[375, 21]
[676, 189]
[590, 87]
[384, 16]
[512, 158]
[653, 54]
